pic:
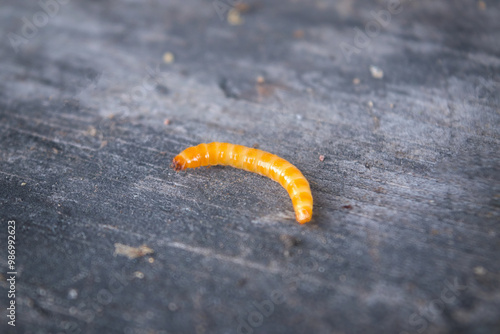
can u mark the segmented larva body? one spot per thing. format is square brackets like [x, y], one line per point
[256, 161]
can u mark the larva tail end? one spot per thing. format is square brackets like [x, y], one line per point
[303, 216]
[178, 163]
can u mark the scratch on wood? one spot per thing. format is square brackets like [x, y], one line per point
[207, 252]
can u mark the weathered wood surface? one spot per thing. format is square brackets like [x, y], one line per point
[405, 237]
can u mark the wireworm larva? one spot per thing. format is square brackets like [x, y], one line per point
[256, 161]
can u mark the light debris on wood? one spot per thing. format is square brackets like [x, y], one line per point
[132, 252]
[173, 307]
[72, 294]
[168, 57]
[234, 17]
[376, 72]
[298, 33]
[138, 274]
[92, 131]
[479, 270]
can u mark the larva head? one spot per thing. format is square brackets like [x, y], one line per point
[303, 215]
[179, 163]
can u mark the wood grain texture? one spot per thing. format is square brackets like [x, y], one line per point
[407, 197]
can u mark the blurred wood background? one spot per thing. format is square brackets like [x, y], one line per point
[96, 97]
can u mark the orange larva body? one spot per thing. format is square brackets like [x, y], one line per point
[256, 161]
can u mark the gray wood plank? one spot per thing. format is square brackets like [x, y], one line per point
[405, 234]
